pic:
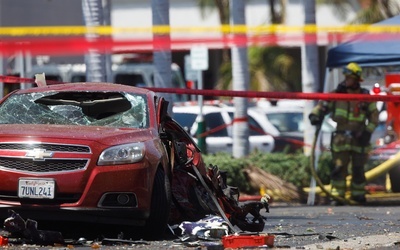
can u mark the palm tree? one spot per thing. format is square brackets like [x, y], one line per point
[310, 72]
[271, 68]
[162, 57]
[95, 60]
[370, 11]
[240, 79]
[222, 7]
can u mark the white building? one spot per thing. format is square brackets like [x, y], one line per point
[183, 14]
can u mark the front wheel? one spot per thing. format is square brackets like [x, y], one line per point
[160, 207]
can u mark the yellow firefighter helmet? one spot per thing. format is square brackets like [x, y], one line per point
[354, 70]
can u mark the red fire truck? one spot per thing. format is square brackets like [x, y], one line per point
[390, 143]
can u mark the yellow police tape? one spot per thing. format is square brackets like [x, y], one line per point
[225, 29]
[369, 175]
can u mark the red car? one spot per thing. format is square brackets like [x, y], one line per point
[89, 152]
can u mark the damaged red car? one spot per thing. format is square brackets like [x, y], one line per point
[100, 152]
[85, 152]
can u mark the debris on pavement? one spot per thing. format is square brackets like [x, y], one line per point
[3, 241]
[249, 240]
[274, 186]
[27, 231]
[210, 228]
[195, 196]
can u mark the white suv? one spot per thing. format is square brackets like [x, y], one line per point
[218, 128]
[140, 74]
[283, 121]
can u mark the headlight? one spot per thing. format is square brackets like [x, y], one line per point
[122, 154]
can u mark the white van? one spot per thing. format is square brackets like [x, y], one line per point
[219, 137]
[133, 74]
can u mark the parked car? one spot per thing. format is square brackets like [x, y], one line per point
[219, 137]
[138, 74]
[89, 152]
[284, 120]
[259, 124]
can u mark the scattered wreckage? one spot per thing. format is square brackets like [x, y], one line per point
[134, 164]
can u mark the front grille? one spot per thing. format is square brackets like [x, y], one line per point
[49, 165]
[47, 147]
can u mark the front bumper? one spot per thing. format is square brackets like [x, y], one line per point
[131, 217]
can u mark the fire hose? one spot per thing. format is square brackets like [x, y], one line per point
[316, 177]
[369, 175]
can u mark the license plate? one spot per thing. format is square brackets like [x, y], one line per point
[36, 188]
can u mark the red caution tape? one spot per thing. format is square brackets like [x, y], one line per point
[247, 94]
[15, 79]
[78, 45]
[280, 95]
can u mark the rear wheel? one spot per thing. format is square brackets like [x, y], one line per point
[394, 175]
[160, 207]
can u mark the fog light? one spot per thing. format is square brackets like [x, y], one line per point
[123, 199]
[127, 200]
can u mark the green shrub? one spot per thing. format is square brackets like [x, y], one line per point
[293, 168]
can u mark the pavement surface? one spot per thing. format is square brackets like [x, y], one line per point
[294, 226]
[330, 227]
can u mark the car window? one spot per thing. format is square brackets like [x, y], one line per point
[110, 109]
[287, 122]
[254, 127]
[132, 79]
[77, 78]
[186, 120]
[215, 125]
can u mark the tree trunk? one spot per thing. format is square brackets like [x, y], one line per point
[310, 84]
[95, 60]
[162, 57]
[310, 73]
[241, 79]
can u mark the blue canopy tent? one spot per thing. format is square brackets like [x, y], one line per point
[367, 50]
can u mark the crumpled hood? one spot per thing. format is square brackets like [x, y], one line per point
[105, 135]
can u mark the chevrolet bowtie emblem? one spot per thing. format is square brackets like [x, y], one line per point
[38, 154]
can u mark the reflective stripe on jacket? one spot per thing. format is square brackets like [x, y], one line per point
[352, 117]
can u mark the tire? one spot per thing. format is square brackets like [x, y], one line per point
[160, 207]
[394, 175]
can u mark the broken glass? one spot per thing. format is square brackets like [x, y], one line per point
[111, 109]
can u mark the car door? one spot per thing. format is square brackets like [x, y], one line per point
[217, 139]
[217, 136]
[258, 138]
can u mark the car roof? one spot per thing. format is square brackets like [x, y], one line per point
[282, 105]
[274, 109]
[86, 86]
[195, 109]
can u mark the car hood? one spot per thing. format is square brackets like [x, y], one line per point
[104, 135]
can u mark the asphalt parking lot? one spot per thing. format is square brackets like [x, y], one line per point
[328, 227]
[294, 226]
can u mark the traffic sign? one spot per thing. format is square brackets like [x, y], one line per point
[199, 57]
[190, 73]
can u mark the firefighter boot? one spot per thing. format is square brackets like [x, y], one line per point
[358, 185]
[338, 183]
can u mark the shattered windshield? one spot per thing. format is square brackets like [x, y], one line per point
[111, 109]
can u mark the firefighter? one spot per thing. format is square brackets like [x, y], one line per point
[350, 144]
